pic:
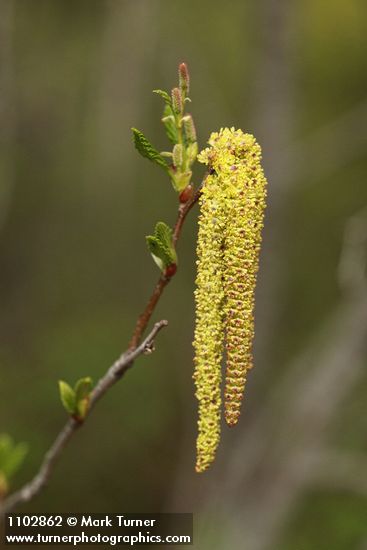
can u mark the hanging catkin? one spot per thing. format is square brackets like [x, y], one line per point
[231, 218]
[209, 322]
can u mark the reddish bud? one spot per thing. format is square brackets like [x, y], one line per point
[184, 78]
[177, 102]
[186, 194]
[170, 270]
[77, 418]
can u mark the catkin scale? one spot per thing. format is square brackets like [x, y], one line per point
[230, 224]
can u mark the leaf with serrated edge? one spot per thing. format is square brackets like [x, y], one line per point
[164, 234]
[162, 255]
[146, 149]
[158, 255]
[164, 95]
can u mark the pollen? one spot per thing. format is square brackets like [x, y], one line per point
[232, 207]
[209, 330]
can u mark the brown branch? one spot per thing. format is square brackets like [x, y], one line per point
[114, 373]
[163, 280]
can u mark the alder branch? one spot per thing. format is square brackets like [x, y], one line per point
[163, 280]
[112, 376]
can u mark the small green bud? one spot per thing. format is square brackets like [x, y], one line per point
[82, 390]
[67, 396]
[177, 155]
[169, 118]
[192, 152]
[76, 400]
[177, 103]
[82, 409]
[181, 180]
[184, 79]
[189, 127]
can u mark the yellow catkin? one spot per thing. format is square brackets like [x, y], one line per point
[241, 262]
[231, 219]
[209, 328]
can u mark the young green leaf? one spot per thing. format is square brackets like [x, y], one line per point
[180, 180]
[164, 95]
[82, 396]
[161, 246]
[82, 408]
[158, 252]
[169, 124]
[164, 234]
[67, 396]
[146, 149]
[82, 388]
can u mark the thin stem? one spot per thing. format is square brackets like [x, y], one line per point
[163, 280]
[114, 373]
[112, 376]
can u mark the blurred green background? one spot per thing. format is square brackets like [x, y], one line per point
[75, 204]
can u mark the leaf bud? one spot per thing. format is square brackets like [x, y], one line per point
[189, 127]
